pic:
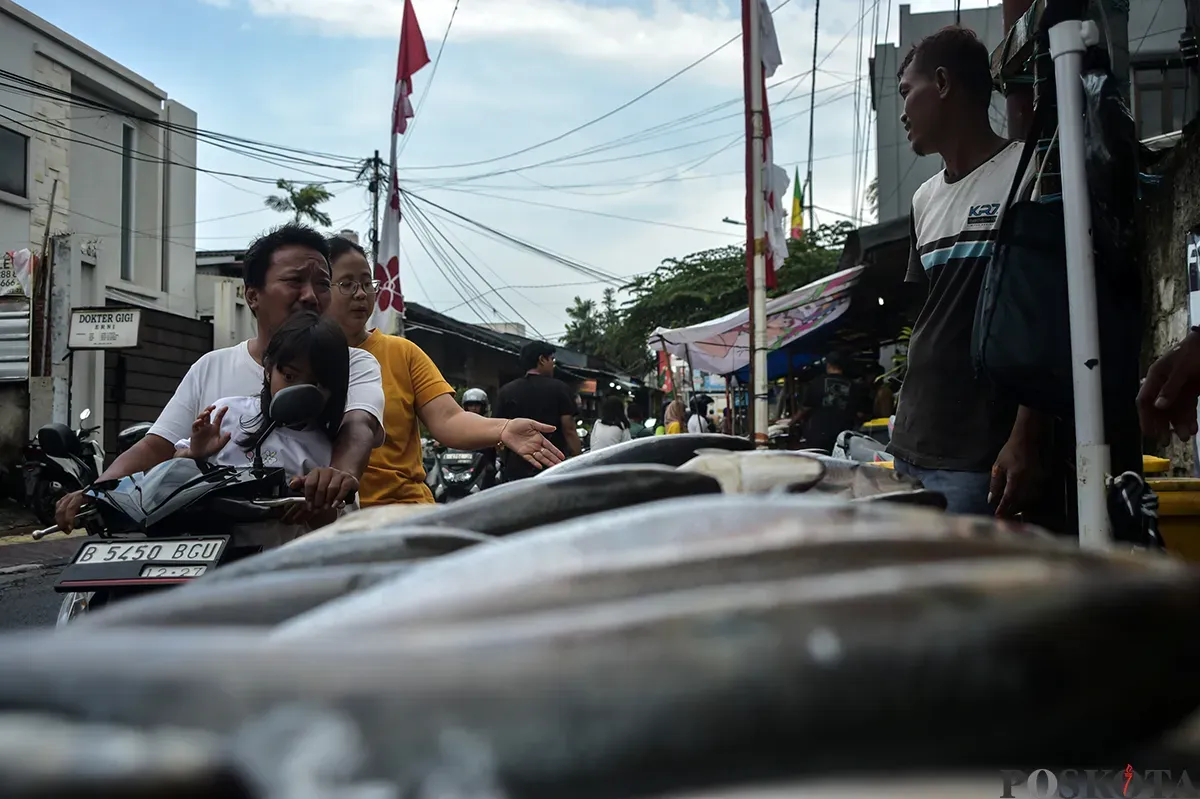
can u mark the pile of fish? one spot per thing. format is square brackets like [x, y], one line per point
[672, 617]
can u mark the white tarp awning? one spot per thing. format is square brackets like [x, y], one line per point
[722, 346]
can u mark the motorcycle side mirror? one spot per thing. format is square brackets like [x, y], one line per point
[296, 404]
[85, 414]
[293, 405]
[57, 440]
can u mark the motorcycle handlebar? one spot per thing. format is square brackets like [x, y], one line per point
[38, 535]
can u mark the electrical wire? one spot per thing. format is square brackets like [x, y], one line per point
[79, 137]
[574, 265]
[607, 114]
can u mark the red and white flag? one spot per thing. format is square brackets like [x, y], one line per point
[389, 301]
[774, 178]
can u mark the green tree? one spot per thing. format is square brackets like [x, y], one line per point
[584, 331]
[872, 196]
[705, 285]
[302, 202]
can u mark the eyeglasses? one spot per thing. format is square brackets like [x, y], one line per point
[350, 287]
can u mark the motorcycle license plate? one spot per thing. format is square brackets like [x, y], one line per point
[162, 561]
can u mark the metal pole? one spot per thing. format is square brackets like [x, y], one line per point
[375, 178]
[812, 109]
[1068, 40]
[752, 51]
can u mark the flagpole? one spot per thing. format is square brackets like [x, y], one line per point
[756, 217]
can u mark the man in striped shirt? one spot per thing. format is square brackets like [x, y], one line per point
[951, 432]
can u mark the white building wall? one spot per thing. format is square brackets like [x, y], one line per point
[81, 148]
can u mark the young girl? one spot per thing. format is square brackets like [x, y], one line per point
[307, 348]
[612, 427]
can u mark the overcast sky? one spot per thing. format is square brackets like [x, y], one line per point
[318, 74]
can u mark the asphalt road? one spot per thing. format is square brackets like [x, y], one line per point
[27, 599]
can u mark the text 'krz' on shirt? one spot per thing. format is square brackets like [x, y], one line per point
[947, 418]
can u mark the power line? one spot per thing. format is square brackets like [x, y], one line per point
[605, 115]
[79, 137]
[469, 265]
[590, 212]
[576, 266]
[245, 147]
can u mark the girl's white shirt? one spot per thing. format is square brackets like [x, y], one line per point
[605, 435]
[297, 452]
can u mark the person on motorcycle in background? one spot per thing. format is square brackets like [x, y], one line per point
[306, 349]
[475, 400]
[285, 271]
[415, 392]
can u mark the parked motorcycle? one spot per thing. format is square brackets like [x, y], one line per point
[71, 461]
[144, 530]
[459, 473]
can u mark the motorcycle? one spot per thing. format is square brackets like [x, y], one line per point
[460, 473]
[72, 461]
[143, 530]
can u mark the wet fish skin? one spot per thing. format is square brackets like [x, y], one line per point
[663, 450]
[854, 480]
[260, 600]
[922, 497]
[757, 471]
[926, 666]
[610, 580]
[512, 507]
[382, 546]
[663, 530]
[45, 757]
[543, 550]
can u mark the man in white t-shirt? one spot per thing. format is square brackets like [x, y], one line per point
[952, 432]
[286, 270]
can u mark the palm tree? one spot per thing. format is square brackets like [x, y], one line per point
[301, 202]
[872, 196]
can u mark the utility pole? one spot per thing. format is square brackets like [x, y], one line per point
[374, 186]
[812, 115]
[756, 244]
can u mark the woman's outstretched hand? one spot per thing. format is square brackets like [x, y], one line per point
[527, 438]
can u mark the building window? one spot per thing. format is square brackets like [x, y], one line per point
[14, 163]
[127, 182]
[1159, 99]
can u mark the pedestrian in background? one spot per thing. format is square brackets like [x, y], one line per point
[612, 427]
[538, 395]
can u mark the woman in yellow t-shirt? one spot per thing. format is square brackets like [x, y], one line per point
[413, 389]
[674, 418]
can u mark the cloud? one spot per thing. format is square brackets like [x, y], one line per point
[519, 72]
[654, 38]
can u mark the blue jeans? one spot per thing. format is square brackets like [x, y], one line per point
[966, 492]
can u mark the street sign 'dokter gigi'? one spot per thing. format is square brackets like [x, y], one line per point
[1126, 783]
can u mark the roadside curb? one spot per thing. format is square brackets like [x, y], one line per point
[38, 555]
[24, 567]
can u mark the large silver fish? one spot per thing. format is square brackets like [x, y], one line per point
[854, 480]
[517, 506]
[664, 450]
[980, 663]
[380, 546]
[678, 545]
[257, 600]
[757, 471]
[44, 757]
[557, 548]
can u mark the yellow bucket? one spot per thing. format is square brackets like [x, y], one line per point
[1179, 514]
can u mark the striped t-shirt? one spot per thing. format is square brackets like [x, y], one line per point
[947, 419]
